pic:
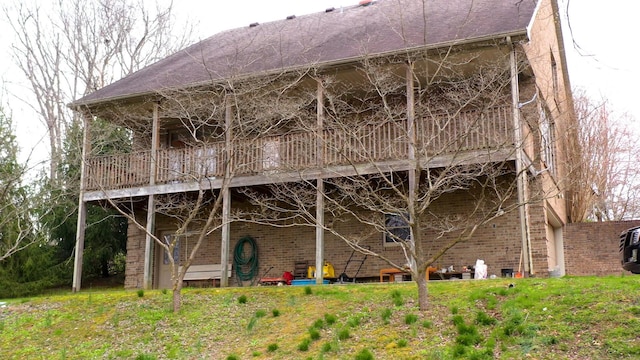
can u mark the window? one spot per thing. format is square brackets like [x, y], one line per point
[176, 250]
[548, 139]
[554, 77]
[397, 229]
[181, 247]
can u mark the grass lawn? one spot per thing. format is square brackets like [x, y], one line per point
[565, 318]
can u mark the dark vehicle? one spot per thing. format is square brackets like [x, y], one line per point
[629, 248]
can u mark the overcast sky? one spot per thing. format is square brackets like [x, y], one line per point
[601, 45]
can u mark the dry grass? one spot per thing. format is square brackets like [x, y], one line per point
[569, 318]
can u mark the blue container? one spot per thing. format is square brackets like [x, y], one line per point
[302, 282]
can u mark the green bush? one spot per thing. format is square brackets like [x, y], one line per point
[275, 312]
[242, 299]
[272, 347]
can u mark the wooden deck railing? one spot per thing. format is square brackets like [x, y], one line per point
[359, 143]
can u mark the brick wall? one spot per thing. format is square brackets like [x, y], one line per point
[497, 243]
[134, 269]
[593, 248]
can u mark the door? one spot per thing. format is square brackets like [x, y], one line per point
[164, 263]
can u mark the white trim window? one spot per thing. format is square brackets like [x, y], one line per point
[397, 229]
[547, 139]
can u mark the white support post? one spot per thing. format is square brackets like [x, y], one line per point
[147, 277]
[82, 205]
[226, 235]
[521, 175]
[411, 134]
[77, 263]
[320, 184]
[226, 197]
[319, 231]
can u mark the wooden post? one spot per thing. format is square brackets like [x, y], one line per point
[226, 197]
[151, 213]
[521, 176]
[81, 226]
[413, 169]
[319, 231]
[82, 205]
[226, 235]
[147, 277]
[320, 184]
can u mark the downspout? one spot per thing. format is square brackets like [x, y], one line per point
[520, 173]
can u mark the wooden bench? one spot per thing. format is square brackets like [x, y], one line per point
[206, 272]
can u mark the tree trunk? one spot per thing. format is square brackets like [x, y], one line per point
[177, 299]
[423, 292]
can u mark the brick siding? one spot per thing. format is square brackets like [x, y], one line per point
[497, 243]
[593, 248]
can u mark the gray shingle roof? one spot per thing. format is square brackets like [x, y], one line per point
[384, 26]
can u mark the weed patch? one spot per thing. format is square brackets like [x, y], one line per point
[304, 344]
[364, 354]
[307, 290]
[396, 297]
[410, 319]
[330, 319]
[386, 315]
[343, 334]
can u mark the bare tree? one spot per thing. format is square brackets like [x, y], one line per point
[72, 48]
[215, 136]
[603, 182]
[394, 163]
[19, 212]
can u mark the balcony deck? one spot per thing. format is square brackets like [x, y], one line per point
[470, 136]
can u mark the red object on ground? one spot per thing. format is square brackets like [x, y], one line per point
[284, 279]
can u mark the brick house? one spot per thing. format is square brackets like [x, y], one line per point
[382, 87]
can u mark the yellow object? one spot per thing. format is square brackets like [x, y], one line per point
[327, 271]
